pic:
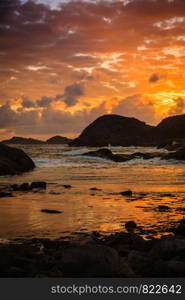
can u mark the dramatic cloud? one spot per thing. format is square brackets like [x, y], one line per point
[71, 94]
[66, 59]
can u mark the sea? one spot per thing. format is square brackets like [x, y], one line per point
[154, 182]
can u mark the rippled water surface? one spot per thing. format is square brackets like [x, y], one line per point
[154, 182]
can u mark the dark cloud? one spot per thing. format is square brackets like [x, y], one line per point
[154, 78]
[49, 121]
[71, 94]
[44, 101]
[27, 103]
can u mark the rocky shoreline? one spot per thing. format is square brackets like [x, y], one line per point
[123, 254]
[107, 154]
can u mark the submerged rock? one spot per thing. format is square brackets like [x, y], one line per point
[5, 194]
[24, 187]
[38, 185]
[130, 226]
[163, 207]
[14, 161]
[127, 193]
[67, 186]
[51, 211]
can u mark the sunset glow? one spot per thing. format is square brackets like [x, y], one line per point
[65, 63]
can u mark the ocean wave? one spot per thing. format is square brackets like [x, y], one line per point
[82, 161]
[89, 161]
[76, 152]
[153, 161]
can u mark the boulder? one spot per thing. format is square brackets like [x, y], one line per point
[178, 155]
[126, 193]
[107, 154]
[89, 261]
[5, 194]
[14, 161]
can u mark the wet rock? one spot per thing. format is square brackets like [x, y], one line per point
[126, 193]
[94, 189]
[178, 155]
[125, 269]
[14, 161]
[167, 247]
[24, 187]
[89, 261]
[54, 193]
[180, 230]
[177, 268]
[162, 208]
[16, 272]
[14, 187]
[38, 185]
[67, 186]
[139, 262]
[130, 226]
[51, 211]
[5, 194]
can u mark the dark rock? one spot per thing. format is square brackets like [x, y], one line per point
[177, 268]
[14, 161]
[167, 248]
[122, 131]
[67, 186]
[180, 230]
[171, 128]
[94, 189]
[115, 130]
[178, 155]
[89, 261]
[58, 140]
[5, 194]
[24, 187]
[127, 193]
[51, 211]
[130, 226]
[163, 207]
[140, 262]
[107, 154]
[38, 185]
[14, 187]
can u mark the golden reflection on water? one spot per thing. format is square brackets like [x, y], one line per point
[85, 210]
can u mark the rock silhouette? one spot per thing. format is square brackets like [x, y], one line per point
[14, 161]
[123, 131]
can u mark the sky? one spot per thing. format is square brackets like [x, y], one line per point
[64, 63]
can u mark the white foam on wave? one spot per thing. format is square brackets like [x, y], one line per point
[76, 152]
[82, 161]
[153, 161]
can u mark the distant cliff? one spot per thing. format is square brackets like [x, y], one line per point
[115, 130]
[122, 131]
[58, 140]
[21, 140]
